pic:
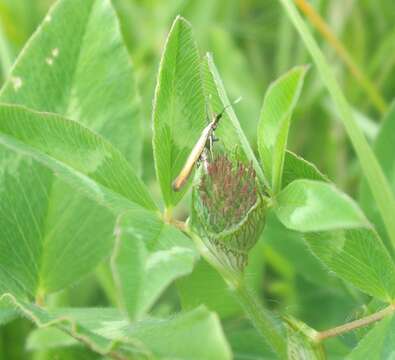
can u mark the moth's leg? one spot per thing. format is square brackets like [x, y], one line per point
[210, 145]
[204, 160]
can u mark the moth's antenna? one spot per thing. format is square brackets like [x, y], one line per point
[232, 103]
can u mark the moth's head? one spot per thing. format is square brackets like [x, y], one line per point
[217, 117]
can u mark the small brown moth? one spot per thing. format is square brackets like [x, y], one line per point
[206, 139]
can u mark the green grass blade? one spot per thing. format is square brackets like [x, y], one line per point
[369, 164]
[384, 150]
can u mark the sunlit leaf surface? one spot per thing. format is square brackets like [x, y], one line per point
[75, 65]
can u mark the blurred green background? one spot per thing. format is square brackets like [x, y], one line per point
[253, 43]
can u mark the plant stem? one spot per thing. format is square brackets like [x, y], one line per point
[338, 330]
[326, 32]
[377, 181]
[231, 278]
[260, 317]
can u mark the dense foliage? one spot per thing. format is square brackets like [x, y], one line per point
[282, 242]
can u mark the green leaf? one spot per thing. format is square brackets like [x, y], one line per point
[294, 253]
[275, 119]
[231, 133]
[178, 337]
[71, 353]
[82, 158]
[239, 77]
[384, 149]
[295, 167]
[206, 286]
[179, 113]
[192, 335]
[307, 205]
[76, 65]
[378, 344]
[247, 343]
[358, 256]
[148, 256]
[20, 241]
[376, 179]
[69, 144]
[68, 323]
[7, 315]
[48, 338]
[338, 234]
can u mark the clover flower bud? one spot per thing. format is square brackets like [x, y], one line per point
[228, 209]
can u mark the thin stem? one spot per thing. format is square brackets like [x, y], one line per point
[231, 278]
[338, 330]
[326, 32]
[260, 317]
[168, 215]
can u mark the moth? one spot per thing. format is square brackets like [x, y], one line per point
[205, 141]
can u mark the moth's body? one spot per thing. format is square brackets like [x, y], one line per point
[206, 139]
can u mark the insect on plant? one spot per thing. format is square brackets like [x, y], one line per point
[91, 211]
[198, 152]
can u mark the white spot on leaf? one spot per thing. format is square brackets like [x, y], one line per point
[114, 328]
[49, 61]
[16, 82]
[55, 52]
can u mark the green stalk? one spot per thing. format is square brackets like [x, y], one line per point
[377, 181]
[356, 324]
[260, 317]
